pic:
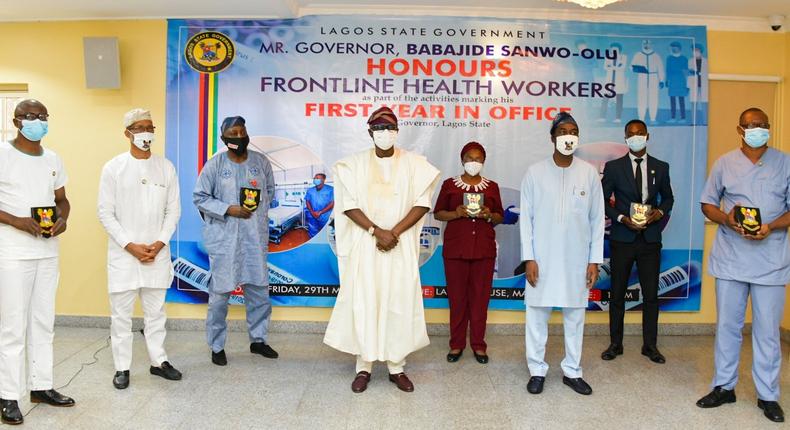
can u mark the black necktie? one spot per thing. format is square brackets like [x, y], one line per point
[638, 177]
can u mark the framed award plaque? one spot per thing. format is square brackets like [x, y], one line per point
[473, 203]
[639, 213]
[249, 198]
[45, 216]
[748, 218]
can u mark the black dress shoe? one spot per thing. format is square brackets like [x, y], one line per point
[52, 398]
[167, 371]
[771, 410]
[578, 385]
[263, 349]
[535, 384]
[612, 351]
[652, 353]
[219, 358]
[11, 413]
[481, 358]
[452, 358]
[121, 379]
[716, 398]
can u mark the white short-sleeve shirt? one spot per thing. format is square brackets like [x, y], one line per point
[27, 181]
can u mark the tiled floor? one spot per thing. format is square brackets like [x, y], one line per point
[309, 387]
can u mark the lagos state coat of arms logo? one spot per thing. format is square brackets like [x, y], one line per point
[209, 52]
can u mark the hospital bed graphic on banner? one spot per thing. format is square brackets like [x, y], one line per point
[293, 166]
[284, 217]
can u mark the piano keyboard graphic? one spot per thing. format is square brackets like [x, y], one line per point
[668, 280]
[191, 274]
[198, 278]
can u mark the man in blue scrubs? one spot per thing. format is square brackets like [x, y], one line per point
[319, 201]
[743, 264]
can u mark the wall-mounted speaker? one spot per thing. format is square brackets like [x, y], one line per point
[102, 63]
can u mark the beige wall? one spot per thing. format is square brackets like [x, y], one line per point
[86, 130]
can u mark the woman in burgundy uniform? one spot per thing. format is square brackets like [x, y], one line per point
[469, 249]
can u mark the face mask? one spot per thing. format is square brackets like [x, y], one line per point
[567, 144]
[34, 130]
[636, 143]
[385, 139]
[318, 182]
[237, 144]
[676, 53]
[473, 168]
[143, 140]
[756, 137]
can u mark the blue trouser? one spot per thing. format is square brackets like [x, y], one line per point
[767, 311]
[314, 225]
[259, 312]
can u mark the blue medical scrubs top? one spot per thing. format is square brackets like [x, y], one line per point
[318, 199]
[734, 180]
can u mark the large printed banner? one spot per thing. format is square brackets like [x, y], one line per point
[306, 87]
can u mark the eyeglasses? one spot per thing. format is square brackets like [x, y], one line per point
[32, 116]
[379, 127]
[150, 129]
[756, 125]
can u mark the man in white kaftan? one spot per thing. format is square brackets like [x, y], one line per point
[139, 207]
[562, 230]
[381, 197]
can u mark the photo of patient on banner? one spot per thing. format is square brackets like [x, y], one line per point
[296, 168]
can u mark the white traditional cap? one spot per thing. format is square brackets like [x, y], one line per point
[135, 115]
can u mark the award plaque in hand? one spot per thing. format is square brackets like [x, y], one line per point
[45, 217]
[473, 203]
[639, 213]
[748, 218]
[249, 198]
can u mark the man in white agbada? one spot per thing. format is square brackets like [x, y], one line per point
[562, 228]
[139, 207]
[381, 196]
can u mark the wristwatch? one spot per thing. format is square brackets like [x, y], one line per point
[372, 230]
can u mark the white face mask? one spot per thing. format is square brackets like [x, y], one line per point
[567, 144]
[636, 143]
[143, 140]
[473, 168]
[385, 139]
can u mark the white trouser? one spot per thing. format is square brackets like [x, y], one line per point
[27, 316]
[154, 317]
[367, 366]
[537, 332]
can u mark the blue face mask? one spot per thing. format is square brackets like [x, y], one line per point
[756, 137]
[34, 130]
[318, 182]
[636, 143]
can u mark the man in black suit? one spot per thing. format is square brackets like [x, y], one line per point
[636, 178]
